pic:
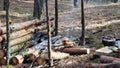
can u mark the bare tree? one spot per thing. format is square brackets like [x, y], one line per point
[83, 23]
[38, 6]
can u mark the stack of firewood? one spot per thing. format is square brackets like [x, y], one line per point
[22, 36]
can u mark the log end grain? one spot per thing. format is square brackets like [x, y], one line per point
[16, 60]
[2, 53]
[39, 61]
[29, 58]
[2, 61]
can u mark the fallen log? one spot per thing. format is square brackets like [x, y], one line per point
[108, 59]
[74, 50]
[23, 32]
[19, 26]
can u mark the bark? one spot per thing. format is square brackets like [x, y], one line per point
[83, 23]
[108, 59]
[19, 26]
[16, 48]
[21, 40]
[56, 17]
[74, 50]
[38, 6]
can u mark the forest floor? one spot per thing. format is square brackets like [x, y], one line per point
[103, 17]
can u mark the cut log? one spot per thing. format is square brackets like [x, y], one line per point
[29, 58]
[18, 26]
[33, 51]
[25, 38]
[75, 50]
[21, 40]
[23, 32]
[2, 53]
[17, 48]
[39, 61]
[16, 60]
[55, 55]
[2, 61]
[108, 59]
[15, 35]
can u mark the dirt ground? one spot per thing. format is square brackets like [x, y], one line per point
[103, 17]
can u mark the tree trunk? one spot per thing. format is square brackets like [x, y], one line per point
[83, 23]
[56, 17]
[38, 6]
[4, 6]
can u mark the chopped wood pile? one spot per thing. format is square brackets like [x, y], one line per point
[28, 44]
